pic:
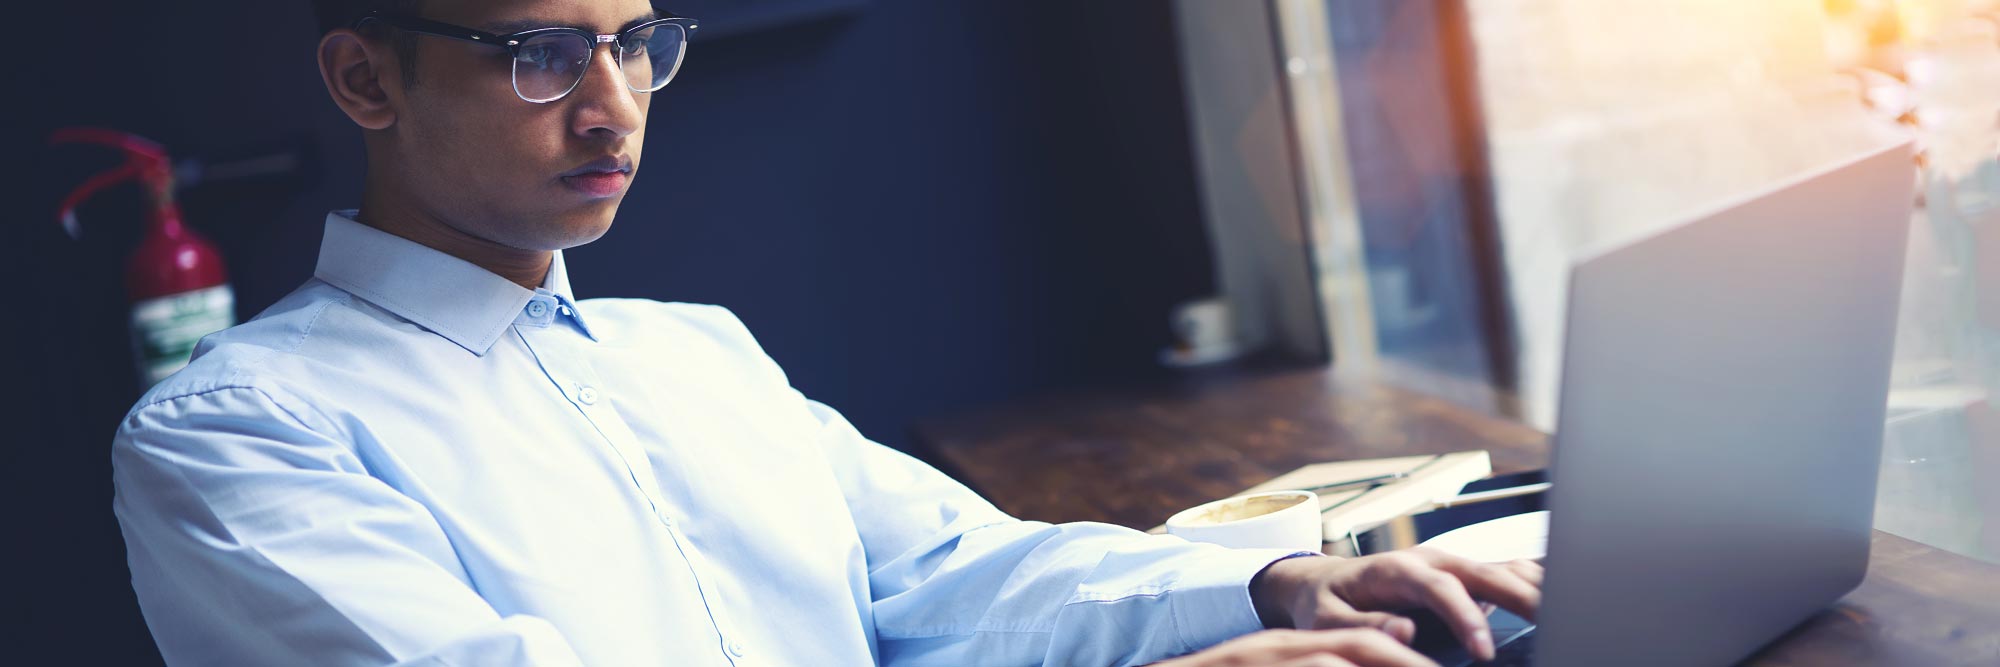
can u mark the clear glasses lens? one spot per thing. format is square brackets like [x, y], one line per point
[651, 56]
[547, 67]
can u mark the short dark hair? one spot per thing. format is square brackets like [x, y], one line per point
[336, 14]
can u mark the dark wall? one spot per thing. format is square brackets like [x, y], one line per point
[923, 206]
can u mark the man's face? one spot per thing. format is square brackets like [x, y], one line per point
[523, 175]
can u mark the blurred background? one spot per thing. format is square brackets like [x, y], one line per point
[924, 206]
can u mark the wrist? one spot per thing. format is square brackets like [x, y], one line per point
[1272, 590]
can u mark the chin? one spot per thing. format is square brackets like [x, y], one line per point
[583, 227]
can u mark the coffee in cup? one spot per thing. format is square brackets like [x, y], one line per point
[1270, 520]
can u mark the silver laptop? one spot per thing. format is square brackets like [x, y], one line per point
[1724, 388]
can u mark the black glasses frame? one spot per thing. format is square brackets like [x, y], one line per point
[512, 41]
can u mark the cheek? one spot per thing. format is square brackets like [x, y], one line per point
[635, 143]
[467, 126]
[499, 150]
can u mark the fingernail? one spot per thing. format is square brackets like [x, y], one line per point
[1401, 628]
[1484, 641]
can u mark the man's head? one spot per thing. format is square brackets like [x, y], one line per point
[450, 140]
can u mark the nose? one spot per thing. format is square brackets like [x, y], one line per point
[605, 107]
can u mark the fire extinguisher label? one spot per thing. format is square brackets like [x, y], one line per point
[166, 329]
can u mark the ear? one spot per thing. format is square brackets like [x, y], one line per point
[360, 74]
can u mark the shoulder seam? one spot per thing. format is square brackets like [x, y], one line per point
[232, 385]
[306, 332]
[233, 379]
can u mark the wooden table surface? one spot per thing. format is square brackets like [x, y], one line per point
[1134, 457]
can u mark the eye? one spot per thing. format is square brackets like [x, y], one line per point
[538, 54]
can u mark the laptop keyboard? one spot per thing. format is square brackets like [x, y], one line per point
[1514, 640]
[1516, 653]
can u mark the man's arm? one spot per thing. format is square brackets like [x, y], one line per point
[957, 582]
[256, 539]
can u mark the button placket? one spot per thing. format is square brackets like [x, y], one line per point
[718, 613]
[718, 616]
[571, 375]
[570, 371]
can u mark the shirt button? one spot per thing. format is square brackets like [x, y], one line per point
[563, 309]
[537, 308]
[736, 649]
[587, 395]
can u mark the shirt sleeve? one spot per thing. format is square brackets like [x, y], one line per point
[255, 539]
[955, 581]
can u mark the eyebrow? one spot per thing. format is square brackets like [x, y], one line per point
[522, 25]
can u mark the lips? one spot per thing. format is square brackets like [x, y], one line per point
[603, 177]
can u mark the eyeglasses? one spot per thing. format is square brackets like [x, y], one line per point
[551, 62]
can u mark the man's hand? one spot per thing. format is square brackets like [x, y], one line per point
[1351, 647]
[1313, 593]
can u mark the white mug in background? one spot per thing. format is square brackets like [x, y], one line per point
[1204, 324]
[1270, 520]
[1204, 333]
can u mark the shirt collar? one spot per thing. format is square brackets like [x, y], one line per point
[451, 297]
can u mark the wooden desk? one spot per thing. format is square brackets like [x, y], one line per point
[1133, 458]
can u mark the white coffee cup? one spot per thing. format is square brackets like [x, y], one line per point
[1205, 324]
[1270, 520]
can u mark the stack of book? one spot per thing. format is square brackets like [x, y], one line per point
[1357, 496]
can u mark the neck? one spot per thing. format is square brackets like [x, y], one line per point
[391, 214]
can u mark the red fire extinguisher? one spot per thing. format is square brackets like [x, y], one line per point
[175, 279]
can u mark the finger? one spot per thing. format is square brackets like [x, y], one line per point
[1508, 584]
[1318, 660]
[1397, 627]
[1497, 583]
[1327, 611]
[1271, 646]
[1370, 648]
[1365, 647]
[1529, 570]
[1446, 596]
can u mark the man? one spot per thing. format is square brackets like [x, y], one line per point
[431, 454]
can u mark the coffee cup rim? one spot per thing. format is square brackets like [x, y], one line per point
[1183, 517]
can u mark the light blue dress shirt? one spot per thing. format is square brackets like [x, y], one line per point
[411, 460]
